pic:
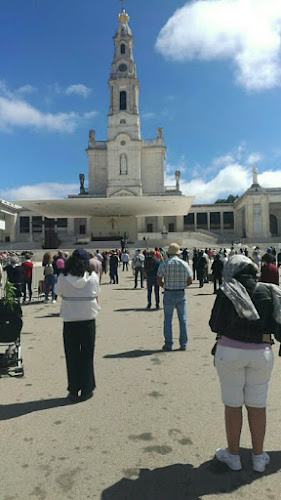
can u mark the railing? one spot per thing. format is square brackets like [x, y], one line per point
[37, 275]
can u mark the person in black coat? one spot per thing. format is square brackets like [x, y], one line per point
[15, 275]
[217, 270]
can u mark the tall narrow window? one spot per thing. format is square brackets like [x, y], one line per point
[123, 100]
[123, 48]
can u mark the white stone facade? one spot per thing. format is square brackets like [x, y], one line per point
[125, 165]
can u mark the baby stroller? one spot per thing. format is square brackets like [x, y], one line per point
[10, 328]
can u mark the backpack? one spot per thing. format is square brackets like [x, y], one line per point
[138, 261]
[48, 270]
[150, 265]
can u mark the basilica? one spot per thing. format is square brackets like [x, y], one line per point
[124, 194]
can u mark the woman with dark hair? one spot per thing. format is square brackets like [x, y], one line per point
[49, 277]
[79, 289]
[244, 316]
[269, 270]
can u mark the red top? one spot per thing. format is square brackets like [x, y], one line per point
[269, 274]
[27, 269]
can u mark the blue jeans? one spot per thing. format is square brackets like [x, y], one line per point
[175, 299]
[152, 282]
[139, 270]
[50, 281]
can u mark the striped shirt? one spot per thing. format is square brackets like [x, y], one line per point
[175, 273]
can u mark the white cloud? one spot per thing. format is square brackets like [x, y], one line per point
[254, 158]
[270, 178]
[233, 179]
[247, 32]
[17, 112]
[41, 191]
[78, 89]
[230, 173]
[26, 89]
[222, 160]
[149, 115]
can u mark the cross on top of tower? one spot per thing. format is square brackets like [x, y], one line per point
[123, 4]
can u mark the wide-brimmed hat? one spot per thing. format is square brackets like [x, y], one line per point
[80, 253]
[174, 249]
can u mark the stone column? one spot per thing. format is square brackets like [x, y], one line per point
[160, 223]
[195, 221]
[179, 224]
[11, 223]
[141, 228]
[43, 229]
[208, 221]
[221, 221]
[30, 230]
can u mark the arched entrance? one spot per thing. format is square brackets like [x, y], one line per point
[273, 225]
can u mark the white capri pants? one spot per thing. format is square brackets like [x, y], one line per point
[244, 375]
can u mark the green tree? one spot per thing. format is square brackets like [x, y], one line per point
[230, 199]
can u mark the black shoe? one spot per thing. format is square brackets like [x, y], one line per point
[148, 307]
[183, 348]
[89, 395]
[157, 307]
[166, 348]
[72, 398]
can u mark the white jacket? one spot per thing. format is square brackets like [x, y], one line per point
[78, 296]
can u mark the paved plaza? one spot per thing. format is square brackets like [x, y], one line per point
[152, 427]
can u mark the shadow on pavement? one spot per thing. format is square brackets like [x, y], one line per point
[181, 482]
[135, 309]
[51, 315]
[18, 409]
[138, 353]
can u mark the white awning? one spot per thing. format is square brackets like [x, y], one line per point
[109, 207]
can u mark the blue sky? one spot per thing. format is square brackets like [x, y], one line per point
[210, 75]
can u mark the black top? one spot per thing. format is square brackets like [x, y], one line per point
[225, 320]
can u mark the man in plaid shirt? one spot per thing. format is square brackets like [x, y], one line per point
[174, 275]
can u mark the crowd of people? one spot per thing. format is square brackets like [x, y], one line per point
[246, 316]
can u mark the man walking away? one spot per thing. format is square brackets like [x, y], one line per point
[27, 266]
[125, 260]
[138, 266]
[174, 275]
[113, 267]
[151, 264]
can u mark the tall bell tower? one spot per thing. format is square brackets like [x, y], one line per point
[123, 114]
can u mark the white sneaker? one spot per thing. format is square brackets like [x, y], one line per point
[233, 461]
[260, 462]
[54, 301]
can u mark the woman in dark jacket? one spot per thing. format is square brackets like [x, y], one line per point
[15, 275]
[217, 269]
[242, 317]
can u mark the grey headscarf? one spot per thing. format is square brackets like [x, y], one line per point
[238, 294]
[235, 291]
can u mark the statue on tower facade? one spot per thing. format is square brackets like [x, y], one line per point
[82, 180]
